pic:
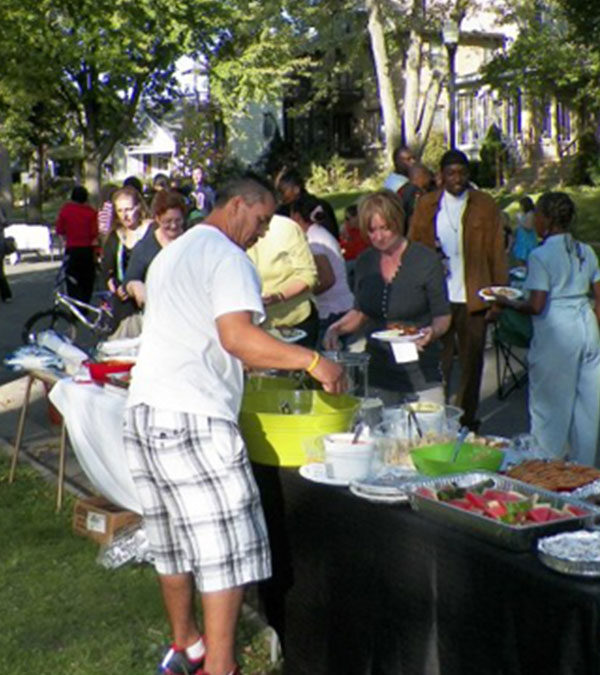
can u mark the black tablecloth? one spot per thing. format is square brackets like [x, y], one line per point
[370, 588]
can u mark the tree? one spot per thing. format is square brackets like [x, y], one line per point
[547, 61]
[98, 59]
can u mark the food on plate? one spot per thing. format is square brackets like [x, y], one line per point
[490, 292]
[555, 475]
[403, 329]
[508, 506]
[496, 442]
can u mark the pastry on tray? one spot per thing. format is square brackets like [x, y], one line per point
[554, 475]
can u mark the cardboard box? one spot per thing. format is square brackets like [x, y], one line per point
[100, 520]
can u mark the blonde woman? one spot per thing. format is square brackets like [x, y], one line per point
[397, 281]
[129, 225]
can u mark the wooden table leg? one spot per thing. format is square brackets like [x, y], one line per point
[61, 465]
[20, 428]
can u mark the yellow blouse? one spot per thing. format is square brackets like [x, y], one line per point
[281, 255]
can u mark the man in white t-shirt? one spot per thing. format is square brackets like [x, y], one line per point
[465, 226]
[202, 511]
[403, 159]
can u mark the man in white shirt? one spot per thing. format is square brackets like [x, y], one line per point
[403, 159]
[202, 511]
[465, 226]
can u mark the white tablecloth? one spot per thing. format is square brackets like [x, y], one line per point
[30, 237]
[94, 416]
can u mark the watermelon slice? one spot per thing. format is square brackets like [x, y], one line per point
[476, 500]
[539, 514]
[503, 495]
[573, 510]
[495, 509]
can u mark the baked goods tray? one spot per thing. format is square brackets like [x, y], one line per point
[573, 553]
[514, 537]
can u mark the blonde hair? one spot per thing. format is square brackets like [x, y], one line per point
[128, 191]
[385, 203]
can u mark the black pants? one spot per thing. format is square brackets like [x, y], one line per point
[311, 326]
[466, 336]
[81, 272]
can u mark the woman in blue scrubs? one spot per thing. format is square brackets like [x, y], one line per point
[564, 356]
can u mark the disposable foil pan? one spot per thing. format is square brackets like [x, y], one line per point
[574, 553]
[514, 537]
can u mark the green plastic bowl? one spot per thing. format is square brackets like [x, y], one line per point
[276, 424]
[434, 460]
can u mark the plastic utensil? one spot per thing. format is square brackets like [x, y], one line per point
[357, 432]
[460, 439]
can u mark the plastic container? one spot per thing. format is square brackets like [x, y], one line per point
[100, 371]
[345, 460]
[434, 460]
[266, 382]
[356, 367]
[276, 424]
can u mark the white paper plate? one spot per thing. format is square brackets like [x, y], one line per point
[392, 335]
[379, 499]
[316, 473]
[509, 292]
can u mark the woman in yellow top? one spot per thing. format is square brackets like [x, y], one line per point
[288, 273]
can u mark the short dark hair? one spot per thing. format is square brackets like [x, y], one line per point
[250, 186]
[309, 208]
[291, 177]
[79, 194]
[451, 157]
[399, 165]
[162, 180]
[527, 204]
[134, 182]
[167, 199]
[558, 207]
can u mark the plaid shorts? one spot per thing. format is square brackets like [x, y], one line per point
[202, 510]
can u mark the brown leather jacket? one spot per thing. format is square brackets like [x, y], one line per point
[483, 241]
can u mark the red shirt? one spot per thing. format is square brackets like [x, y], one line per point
[78, 223]
[352, 243]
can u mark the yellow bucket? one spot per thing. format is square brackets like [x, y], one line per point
[275, 424]
[254, 383]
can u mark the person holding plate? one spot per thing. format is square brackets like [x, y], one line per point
[564, 357]
[396, 282]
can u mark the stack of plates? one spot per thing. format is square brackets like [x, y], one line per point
[388, 487]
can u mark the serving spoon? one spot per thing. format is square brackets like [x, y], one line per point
[460, 439]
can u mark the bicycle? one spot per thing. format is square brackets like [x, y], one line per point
[67, 312]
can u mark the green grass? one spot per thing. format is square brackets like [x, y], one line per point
[64, 613]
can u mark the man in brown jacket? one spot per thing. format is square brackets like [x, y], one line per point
[464, 225]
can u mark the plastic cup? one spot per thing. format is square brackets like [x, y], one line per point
[345, 460]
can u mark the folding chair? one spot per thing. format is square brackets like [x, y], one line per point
[512, 331]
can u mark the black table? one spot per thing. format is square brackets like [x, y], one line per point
[379, 589]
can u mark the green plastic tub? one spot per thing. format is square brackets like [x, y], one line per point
[276, 424]
[434, 460]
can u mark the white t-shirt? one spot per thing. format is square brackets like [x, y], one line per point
[449, 229]
[338, 298]
[182, 365]
[395, 181]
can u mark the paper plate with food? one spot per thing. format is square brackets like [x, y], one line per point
[287, 334]
[399, 332]
[489, 293]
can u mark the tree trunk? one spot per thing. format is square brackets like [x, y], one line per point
[91, 172]
[389, 109]
[35, 187]
[6, 201]
[412, 90]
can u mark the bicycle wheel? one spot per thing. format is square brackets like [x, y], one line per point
[51, 319]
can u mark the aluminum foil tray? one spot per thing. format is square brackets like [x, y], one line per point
[574, 553]
[514, 537]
